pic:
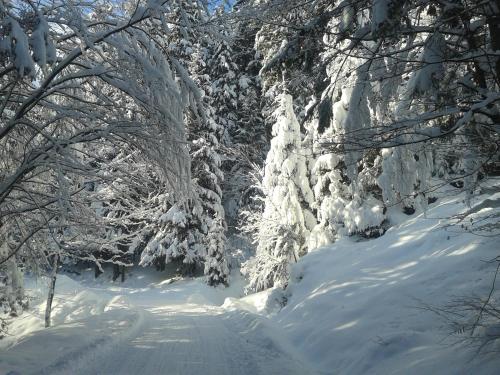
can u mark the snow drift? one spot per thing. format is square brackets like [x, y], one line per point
[359, 307]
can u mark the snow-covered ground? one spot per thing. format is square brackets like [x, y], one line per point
[352, 308]
[361, 307]
[145, 326]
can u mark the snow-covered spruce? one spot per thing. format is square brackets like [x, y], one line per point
[286, 221]
[186, 233]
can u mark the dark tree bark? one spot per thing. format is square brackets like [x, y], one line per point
[50, 297]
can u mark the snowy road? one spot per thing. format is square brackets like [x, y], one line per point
[156, 332]
[192, 340]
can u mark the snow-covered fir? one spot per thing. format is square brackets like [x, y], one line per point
[285, 221]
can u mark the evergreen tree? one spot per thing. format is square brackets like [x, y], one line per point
[236, 99]
[284, 226]
[216, 265]
[183, 234]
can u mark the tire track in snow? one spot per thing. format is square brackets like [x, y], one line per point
[187, 339]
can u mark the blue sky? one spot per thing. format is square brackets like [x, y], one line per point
[215, 3]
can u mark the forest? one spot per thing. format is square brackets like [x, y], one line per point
[257, 164]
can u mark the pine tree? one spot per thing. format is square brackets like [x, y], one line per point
[284, 224]
[184, 233]
[216, 265]
[205, 134]
[224, 74]
[236, 100]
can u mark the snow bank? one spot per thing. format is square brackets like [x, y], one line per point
[356, 307]
[81, 319]
[256, 303]
[143, 286]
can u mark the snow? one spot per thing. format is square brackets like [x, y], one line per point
[432, 70]
[146, 325]
[362, 216]
[354, 307]
[19, 51]
[283, 225]
[81, 319]
[348, 16]
[44, 51]
[174, 215]
[357, 307]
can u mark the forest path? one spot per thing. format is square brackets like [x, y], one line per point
[172, 337]
[192, 340]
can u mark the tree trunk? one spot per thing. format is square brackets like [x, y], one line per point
[97, 271]
[493, 22]
[116, 271]
[123, 273]
[50, 297]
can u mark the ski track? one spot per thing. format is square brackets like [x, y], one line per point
[186, 339]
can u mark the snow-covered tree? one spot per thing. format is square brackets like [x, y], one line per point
[70, 87]
[387, 96]
[184, 232]
[224, 74]
[216, 264]
[236, 100]
[11, 278]
[285, 222]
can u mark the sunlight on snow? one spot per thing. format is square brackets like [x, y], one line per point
[463, 250]
[347, 325]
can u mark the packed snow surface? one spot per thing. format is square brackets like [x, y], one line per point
[146, 327]
[355, 307]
